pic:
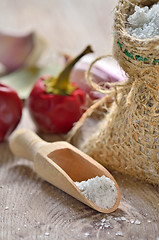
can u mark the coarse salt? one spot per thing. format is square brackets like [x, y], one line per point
[144, 22]
[47, 234]
[100, 190]
[149, 221]
[86, 234]
[132, 221]
[103, 220]
[119, 233]
[137, 222]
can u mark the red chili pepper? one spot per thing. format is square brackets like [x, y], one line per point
[55, 104]
[10, 111]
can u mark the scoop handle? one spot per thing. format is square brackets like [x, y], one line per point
[25, 143]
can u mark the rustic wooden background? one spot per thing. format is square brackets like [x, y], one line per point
[30, 208]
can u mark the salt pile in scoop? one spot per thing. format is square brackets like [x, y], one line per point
[144, 22]
[100, 190]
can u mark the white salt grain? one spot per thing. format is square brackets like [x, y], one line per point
[123, 218]
[149, 221]
[144, 22]
[47, 234]
[132, 220]
[103, 220]
[86, 234]
[137, 222]
[119, 233]
[100, 190]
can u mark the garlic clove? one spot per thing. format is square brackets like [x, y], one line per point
[19, 51]
[40, 45]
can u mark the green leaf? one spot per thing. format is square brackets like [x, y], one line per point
[23, 80]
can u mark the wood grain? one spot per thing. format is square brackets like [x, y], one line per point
[31, 208]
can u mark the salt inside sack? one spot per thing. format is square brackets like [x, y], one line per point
[144, 22]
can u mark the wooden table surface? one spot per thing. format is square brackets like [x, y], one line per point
[30, 208]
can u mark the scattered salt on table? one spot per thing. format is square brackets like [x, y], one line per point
[86, 234]
[132, 220]
[47, 234]
[137, 222]
[144, 22]
[119, 233]
[149, 221]
[100, 190]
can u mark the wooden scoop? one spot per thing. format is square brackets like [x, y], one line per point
[61, 164]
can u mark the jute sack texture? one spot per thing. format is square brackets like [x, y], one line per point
[128, 138]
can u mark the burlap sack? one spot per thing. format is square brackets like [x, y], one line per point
[128, 138]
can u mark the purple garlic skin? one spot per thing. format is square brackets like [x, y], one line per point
[101, 73]
[17, 51]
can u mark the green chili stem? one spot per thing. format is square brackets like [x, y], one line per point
[63, 79]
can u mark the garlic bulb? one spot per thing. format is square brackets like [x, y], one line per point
[17, 51]
[102, 72]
